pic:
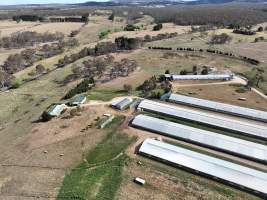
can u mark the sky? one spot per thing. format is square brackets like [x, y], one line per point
[14, 2]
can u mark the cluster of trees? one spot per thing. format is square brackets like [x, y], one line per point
[154, 87]
[131, 27]
[259, 39]
[220, 39]
[28, 38]
[5, 79]
[17, 62]
[121, 43]
[104, 68]
[160, 36]
[101, 68]
[84, 18]
[32, 18]
[82, 87]
[244, 31]
[27, 57]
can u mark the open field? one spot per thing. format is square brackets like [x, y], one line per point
[228, 94]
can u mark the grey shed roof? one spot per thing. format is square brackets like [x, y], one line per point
[123, 103]
[56, 109]
[79, 99]
[220, 107]
[206, 138]
[205, 118]
[225, 170]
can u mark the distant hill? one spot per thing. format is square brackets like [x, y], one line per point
[140, 2]
[167, 2]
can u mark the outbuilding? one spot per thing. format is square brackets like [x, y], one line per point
[79, 100]
[123, 104]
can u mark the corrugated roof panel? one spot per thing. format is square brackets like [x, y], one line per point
[220, 107]
[123, 103]
[206, 138]
[205, 118]
[225, 170]
[203, 77]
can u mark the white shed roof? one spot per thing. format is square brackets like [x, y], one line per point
[206, 138]
[203, 77]
[220, 107]
[225, 170]
[205, 118]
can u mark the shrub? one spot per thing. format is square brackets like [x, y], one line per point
[157, 27]
[15, 84]
[80, 88]
[131, 27]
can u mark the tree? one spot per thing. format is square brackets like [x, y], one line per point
[147, 38]
[220, 39]
[131, 27]
[127, 88]
[157, 27]
[183, 72]
[260, 29]
[167, 71]
[194, 69]
[15, 84]
[85, 18]
[39, 69]
[205, 71]
[112, 16]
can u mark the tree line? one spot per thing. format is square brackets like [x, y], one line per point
[219, 52]
[27, 57]
[121, 43]
[29, 38]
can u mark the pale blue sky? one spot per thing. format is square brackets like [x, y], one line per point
[13, 2]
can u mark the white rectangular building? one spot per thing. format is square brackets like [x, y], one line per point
[201, 137]
[220, 107]
[245, 128]
[225, 77]
[225, 171]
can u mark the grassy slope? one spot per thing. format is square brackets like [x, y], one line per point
[100, 174]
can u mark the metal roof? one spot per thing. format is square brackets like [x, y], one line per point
[225, 170]
[123, 103]
[206, 138]
[205, 118]
[220, 107]
[79, 100]
[203, 77]
[56, 110]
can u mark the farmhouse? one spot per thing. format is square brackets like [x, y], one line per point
[123, 104]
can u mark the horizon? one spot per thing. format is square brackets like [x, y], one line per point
[25, 2]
